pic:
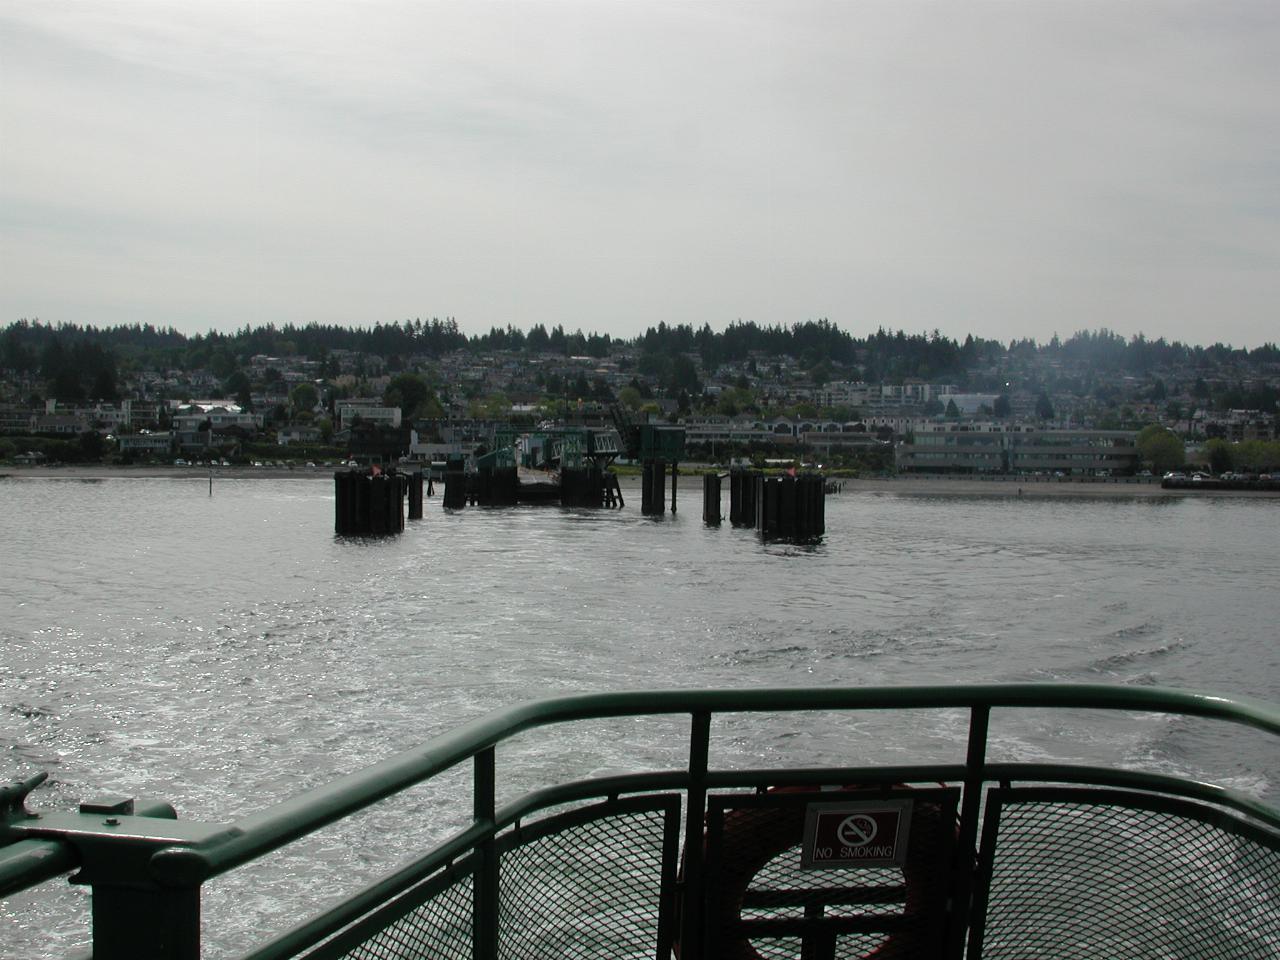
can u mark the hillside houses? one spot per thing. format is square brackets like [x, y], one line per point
[274, 398]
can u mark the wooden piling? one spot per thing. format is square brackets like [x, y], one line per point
[455, 486]
[506, 486]
[711, 499]
[653, 490]
[482, 487]
[742, 497]
[343, 503]
[572, 482]
[415, 495]
[613, 491]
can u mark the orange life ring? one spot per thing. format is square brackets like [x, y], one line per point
[754, 836]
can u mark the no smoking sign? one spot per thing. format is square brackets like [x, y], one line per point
[859, 834]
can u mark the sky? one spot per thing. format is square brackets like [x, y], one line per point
[1006, 169]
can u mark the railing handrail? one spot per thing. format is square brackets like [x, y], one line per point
[280, 824]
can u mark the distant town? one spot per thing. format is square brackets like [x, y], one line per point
[1095, 404]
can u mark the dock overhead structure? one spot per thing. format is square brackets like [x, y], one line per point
[959, 858]
[573, 447]
[657, 445]
[566, 466]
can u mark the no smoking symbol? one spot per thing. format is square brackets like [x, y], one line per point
[857, 830]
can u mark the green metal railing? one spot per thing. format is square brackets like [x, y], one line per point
[509, 885]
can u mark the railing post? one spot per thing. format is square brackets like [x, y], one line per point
[134, 913]
[967, 834]
[131, 921]
[484, 912]
[692, 935]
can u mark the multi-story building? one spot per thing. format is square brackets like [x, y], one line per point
[1016, 448]
[141, 413]
[16, 419]
[158, 444]
[367, 409]
[909, 394]
[63, 423]
[219, 414]
[1239, 425]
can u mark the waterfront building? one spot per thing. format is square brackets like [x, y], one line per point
[218, 414]
[16, 419]
[826, 441]
[1016, 448]
[158, 444]
[61, 423]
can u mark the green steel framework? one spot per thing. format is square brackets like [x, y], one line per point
[146, 867]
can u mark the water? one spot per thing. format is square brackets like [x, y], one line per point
[227, 652]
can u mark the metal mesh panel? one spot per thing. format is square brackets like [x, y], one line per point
[849, 946]
[591, 890]
[438, 929]
[1087, 880]
[865, 909]
[780, 889]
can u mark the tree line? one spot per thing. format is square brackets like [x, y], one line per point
[86, 362]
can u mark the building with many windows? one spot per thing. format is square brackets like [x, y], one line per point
[368, 410]
[158, 444]
[1015, 448]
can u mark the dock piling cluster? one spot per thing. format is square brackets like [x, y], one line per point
[494, 487]
[372, 503]
[781, 508]
[589, 487]
[369, 504]
[791, 508]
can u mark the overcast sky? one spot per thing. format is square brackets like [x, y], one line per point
[1008, 169]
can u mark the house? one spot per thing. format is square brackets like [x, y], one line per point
[297, 434]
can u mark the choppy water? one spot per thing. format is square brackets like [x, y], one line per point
[226, 652]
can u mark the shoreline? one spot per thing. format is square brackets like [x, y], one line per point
[898, 486]
[104, 472]
[1027, 487]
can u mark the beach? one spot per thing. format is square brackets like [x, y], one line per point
[1033, 487]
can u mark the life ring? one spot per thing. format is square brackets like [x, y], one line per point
[753, 836]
